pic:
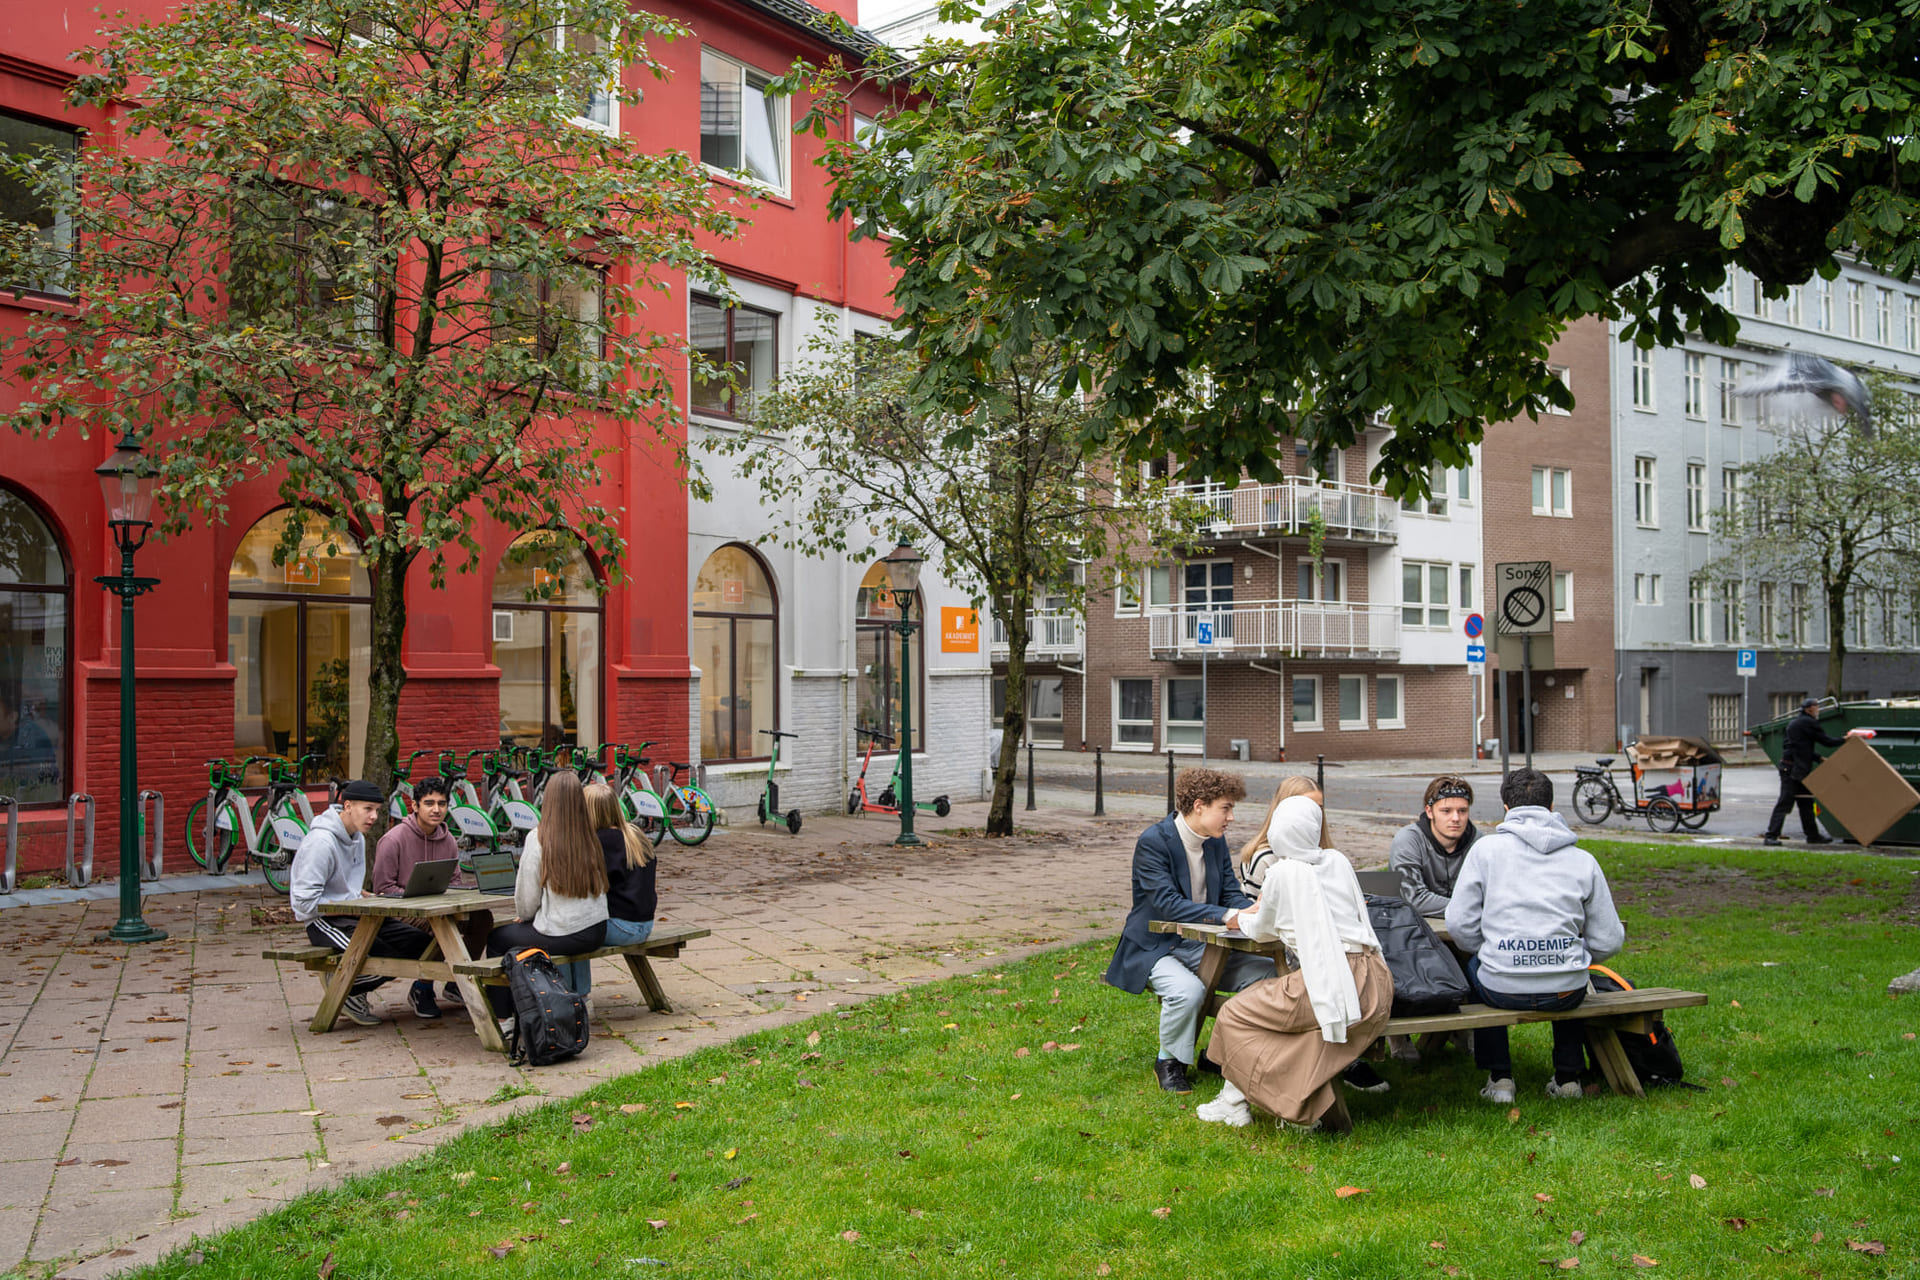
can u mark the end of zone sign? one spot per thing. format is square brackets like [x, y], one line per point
[1523, 598]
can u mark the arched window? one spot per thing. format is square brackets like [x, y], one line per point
[546, 642]
[299, 638]
[877, 655]
[736, 645]
[36, 625]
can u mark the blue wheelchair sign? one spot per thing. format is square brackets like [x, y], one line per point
[1203, 634]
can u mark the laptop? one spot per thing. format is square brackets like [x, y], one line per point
[494, 872]
[429, 878]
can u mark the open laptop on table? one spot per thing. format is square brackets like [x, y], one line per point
[429, 878]
[494, 872]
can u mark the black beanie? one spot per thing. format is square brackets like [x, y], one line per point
[361, 790]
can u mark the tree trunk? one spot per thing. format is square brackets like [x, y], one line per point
[1013, 722]
[1836, 638]
[386, 671]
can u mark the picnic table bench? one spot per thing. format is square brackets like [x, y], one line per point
[1603, 1012]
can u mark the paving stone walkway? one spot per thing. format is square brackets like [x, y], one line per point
[150, 1096]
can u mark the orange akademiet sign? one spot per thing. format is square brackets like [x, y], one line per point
[959, 630]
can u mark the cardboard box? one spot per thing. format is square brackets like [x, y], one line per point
[1864, 793]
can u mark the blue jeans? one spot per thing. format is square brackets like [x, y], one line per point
[620, 933]
[1490, 1049]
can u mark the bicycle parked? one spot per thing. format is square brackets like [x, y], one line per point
[267, 830]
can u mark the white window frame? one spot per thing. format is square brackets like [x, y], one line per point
[1646, 588]
[1544, 478]
[1169, 723]
[1466, 580]
[782, 132]
[1768, 606]
[1646, 492]
[1883, 316]
[1563, 590]
[1153, 728]
[1699, 616]
[1399, 684]
[1340, 681]
[611, 91]
[1565, 375]
[1730, 491]
[1318, 724]
[1856, 309]
[1825, 317]
[1642, 377]
[1794, 296]
[1913, 322]
[1426, 604]
[1696, 497]
[1140, 588]
[1696, 386]
[1729, 383]
[1733, 612]
[1799, 614]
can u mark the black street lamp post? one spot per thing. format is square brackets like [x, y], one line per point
[126, 479]
[903, 581]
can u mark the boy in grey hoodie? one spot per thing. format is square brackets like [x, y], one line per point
[1535, 910]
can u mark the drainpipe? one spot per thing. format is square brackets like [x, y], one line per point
[1082, 673]
[1285, 703]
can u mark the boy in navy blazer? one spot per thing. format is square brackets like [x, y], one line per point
[1182, 870]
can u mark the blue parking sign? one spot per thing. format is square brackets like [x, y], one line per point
[1203, 634]
[1747, 662]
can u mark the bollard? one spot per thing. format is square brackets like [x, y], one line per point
[13, 843]
[1029, 775]
[1320, 775]
[156, 827]
[1099, 787]
[85, 876]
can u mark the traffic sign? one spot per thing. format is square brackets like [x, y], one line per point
[1203, 634]
[1476, 655]
[1522, 590]
[1475, 625]
[1747, 662]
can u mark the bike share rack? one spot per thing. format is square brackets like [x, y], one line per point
[156, 826]
[13, 843]
[85, 876]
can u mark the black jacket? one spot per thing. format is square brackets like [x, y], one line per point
[1160, 892]
[1797, 756]
[630, 891]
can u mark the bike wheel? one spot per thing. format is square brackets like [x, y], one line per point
[762, 811]
[793, 821]
[1663, 814]
[1696, 819]
[209, 843]
[853, 802]
[196, 838]
[1591, 801]
[691, 820]
[886, 798]
[942, 807]
[276, 866]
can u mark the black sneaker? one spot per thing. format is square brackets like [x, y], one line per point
[420, 996]
[1207, 1065]
[1172, 1074]
[1774, 840]
[1819, 839]
[1361, 1075]
[451, 994]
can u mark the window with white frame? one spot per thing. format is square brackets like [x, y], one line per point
[1859, 622]
[1563, 596]
[1646, 513]
[1643, 379]
[1646, 588]
[1306, 703]
[1794, 294]
[1423, 594]
[1186, 714]
[743, 123]
[1784, 703]
[1733, 611]
[1389, 703]
[1696, 387]
[1883, 313]
[1207, 592]
[1762, 304]
[1463, 484]
[1697, 632]
[1729, 384]
[601, 108]
[1824, 318]
[1856, 310]
[1353, 702]
[1435, 503]
[1730, 490]
[1553, 491]
[1697, 497]
[1768, 611]
[1723, 719]
[1151, 588]
[1133, 715]
[1913, 322]
[1797, 614]
[1884, 605]
[1330, 585]
[1467, 596]
[1565, 376]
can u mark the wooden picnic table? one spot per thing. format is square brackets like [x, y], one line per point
[442, 912]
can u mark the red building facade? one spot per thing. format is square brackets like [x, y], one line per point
[237, 656]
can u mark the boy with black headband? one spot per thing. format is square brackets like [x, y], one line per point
[1428, 854]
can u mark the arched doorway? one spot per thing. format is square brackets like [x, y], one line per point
[877, 657]
[736, 645]
[299, 638]
[546, 642]
[36, 635]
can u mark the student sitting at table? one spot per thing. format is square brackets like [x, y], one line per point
[631, 895]
[1282, 1044]
[422, 836]
[1257, 855]
[1535, 910]
[1183, 871]
[331, 866]
[560, 892]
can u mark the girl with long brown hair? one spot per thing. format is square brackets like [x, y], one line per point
[631, 895]
[561, 891]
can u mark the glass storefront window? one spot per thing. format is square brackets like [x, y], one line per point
[299, 637]
[877, 658]
[546, 642]
[35, 610]
[736, 645]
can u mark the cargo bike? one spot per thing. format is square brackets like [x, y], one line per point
[1676, 783]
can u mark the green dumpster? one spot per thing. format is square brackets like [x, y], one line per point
[1896, 737]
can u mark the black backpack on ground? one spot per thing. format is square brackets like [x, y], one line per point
[1426, 977]
[1652, 1055]
[550, 1021]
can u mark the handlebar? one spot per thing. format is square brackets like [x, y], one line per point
[875, 734]
[450, 766]
[779, 733]
[406, 770]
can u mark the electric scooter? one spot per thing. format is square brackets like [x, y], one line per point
[770, 798]
[939, 806]
[857, 801]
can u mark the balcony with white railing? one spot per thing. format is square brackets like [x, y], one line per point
[1278, 629]
[1353, 513]
[1051, 637]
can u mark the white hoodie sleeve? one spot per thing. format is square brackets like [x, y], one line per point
[526, 884]
[312, 869]
[1291, 907]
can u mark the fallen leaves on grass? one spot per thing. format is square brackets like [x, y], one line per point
[682, 1106]
[1543, 1197]
[1163, 1211]
[502, 1249]
[1823, 1191]
[1736, 1224]
[1022, 1052]
[1513, 1115]
[326, 1267]
[563, 1168]
[813, 1038]
[730, 1153]
[1576, 1238]
[1873, 1247]
[658, 1224]
[628, 1108]
[1642, 1260]
[849, 1236]
[1347, 1193]
[1697, 1182]
[582, 1122]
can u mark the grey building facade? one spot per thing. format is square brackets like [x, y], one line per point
[1679, 439]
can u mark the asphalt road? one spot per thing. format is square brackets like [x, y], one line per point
[1747, 795]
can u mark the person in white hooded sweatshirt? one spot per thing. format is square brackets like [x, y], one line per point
[1282, 1043]
[1534, 909]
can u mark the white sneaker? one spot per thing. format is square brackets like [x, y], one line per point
[1222, 1111]
[507, 1025]
[1500, 1091]
[1571, 1089]
[1403, 1049]
[356, 1009]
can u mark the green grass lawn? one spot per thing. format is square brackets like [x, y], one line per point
[1006, 1124]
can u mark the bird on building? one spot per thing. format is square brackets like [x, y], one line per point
[1836, 390]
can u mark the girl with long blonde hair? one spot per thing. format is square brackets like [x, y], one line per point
[561, 890]
[631, 868]
[1256, 855]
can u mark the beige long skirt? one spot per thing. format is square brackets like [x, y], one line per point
[1268, 1043]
